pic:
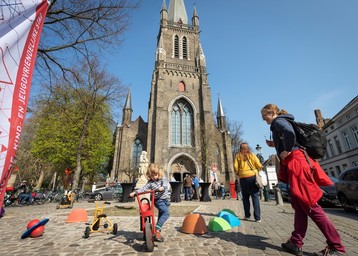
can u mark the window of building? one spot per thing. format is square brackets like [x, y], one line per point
[347, 140]
[176, 46]
[185, 48]
[331, 147]
[181, 87]
[330, 171]
[355, 133]
[348, 117]
[137, 148]
[338, 171]
[182, 123]
[338, 144]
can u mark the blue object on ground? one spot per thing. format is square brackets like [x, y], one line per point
[28, 232]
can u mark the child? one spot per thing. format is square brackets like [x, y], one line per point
[216, 187]
[158, 183]
[222, 187]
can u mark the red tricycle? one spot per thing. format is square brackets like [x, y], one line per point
[147, 222]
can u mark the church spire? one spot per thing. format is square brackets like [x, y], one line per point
[220, 116]
[177, 12]
[164, 15]
[220, 109]
[127, 109]
[195, 19]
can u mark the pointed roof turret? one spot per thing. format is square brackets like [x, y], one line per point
[220, 111]
[177, 12]
[128, 103]
[195, 18]
[164, 14]
[194, 12]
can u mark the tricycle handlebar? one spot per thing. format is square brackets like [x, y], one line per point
[145, 192]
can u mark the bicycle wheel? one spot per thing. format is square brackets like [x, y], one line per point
[149, 236]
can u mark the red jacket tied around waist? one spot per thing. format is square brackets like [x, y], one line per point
[304, 182]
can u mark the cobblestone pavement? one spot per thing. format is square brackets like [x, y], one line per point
[250, 238]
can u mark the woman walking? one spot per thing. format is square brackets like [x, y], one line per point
[295, 170]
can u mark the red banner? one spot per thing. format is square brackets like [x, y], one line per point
[20, 31]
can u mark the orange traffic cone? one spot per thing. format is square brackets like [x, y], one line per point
[77, 215]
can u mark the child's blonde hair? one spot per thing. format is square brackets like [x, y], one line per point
[154, 168]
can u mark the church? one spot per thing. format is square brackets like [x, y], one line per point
[182, 133]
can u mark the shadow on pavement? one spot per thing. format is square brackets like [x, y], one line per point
[341, 213]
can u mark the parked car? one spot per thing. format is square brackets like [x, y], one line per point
[347, 189]
[329, 198]
[113, 192]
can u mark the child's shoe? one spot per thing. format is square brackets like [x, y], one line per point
[158, 237]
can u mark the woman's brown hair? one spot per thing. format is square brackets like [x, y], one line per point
[273, 109]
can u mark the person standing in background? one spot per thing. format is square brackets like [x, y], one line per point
[246, 166]
[187, 187]
[196, 185]
[237, 189]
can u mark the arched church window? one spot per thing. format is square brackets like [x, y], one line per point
[185, 48]
[176, 46]
[181, 87]
[182, 123]
[137, 148]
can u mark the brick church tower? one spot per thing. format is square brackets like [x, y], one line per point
[181, 133]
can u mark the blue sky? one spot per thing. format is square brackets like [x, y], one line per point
[299, 54]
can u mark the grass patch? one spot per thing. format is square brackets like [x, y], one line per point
[175, 211]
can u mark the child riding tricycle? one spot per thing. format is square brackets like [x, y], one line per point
[158, 189]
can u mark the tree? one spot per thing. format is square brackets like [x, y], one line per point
[235, 129]
[74, 122]
[77, 29]
[31, 168]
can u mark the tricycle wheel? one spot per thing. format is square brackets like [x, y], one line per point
[115, 229]
[87, 232]
[149, 236]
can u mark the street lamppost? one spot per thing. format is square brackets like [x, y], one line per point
[261, 158]
[259, 155]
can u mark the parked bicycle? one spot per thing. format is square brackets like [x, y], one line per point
[80, 195]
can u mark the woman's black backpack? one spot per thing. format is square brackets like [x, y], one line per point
[310, 137]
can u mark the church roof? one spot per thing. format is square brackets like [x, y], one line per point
[177, 11]
[220, 112]
[128, 103]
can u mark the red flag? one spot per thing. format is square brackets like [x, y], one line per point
[20, 31]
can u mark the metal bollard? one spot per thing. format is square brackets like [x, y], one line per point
[266, 194]
[278, 195]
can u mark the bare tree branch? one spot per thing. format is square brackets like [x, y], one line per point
[74, 29]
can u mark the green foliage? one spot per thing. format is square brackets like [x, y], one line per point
[59, 129]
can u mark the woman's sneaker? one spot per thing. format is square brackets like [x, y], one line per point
[291, 248]
[328, 252]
